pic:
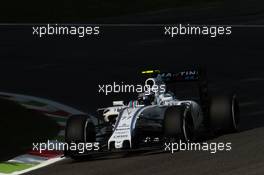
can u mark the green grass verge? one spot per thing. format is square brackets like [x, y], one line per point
[12, 167]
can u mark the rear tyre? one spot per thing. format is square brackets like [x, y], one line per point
[178, 124]
[224, 114]
[79, 129]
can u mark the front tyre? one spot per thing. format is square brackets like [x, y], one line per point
[224, 113]
[178, 124]
[79, 129]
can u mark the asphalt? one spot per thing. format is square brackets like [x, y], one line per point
[207, 12]
[69, 70]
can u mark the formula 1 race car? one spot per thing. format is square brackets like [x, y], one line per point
[157, 116]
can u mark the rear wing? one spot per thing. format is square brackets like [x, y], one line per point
[189, 75]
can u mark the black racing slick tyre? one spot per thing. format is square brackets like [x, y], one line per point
[79, 129]
[178, 124]
[224, 114]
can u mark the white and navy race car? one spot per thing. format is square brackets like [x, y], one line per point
[157, 116]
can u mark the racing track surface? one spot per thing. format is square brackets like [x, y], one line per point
[69, 70]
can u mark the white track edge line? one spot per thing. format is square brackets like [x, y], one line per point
[41, 165]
